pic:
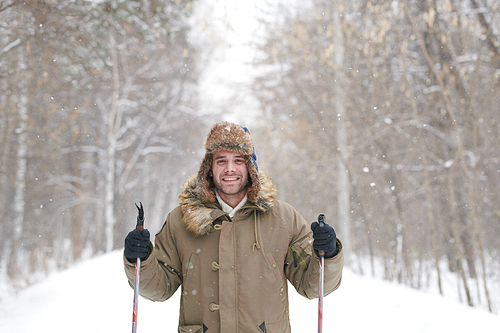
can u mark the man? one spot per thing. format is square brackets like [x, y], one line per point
[231, 246]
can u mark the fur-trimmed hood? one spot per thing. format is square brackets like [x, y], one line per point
[199, 190]
[198, 214]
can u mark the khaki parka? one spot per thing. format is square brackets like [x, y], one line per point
[233, 277]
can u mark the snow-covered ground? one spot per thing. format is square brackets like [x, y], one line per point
[94, 297]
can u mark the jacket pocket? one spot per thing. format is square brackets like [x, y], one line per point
[278, 327]
[303, 252]
[191, 329]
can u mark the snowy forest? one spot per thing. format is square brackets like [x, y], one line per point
[383, 115]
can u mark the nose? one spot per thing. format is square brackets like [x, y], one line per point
[229, 167]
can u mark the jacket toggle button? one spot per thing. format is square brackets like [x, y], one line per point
[214, 307]
[215, 267]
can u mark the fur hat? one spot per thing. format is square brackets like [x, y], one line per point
[231, 137]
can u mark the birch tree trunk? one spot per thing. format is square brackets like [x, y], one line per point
[431, 221]
[20, 181]
[6, 128]
[6, 135]
[456, 236]
[342, 156]
[475, 203]
[113, 121]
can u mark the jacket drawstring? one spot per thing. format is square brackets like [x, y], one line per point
[256, 244]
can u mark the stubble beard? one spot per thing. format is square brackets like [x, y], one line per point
[230, 192]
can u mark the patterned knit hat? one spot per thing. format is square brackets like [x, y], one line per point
[231, 137]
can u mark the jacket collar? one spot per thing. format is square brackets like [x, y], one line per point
[228, 209]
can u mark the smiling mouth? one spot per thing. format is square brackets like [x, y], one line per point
[229, 179]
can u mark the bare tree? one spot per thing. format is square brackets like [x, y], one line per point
[415, 126]
[80, 121]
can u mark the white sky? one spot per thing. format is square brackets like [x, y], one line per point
[229, 26]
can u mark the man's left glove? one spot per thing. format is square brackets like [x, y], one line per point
[325, 239]
[137, 245]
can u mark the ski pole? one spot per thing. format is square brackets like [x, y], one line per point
[321, 221]
[139, 227]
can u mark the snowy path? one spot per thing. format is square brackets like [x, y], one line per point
[79, 300]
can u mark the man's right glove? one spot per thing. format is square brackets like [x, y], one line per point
[325, 239]
[137, 245]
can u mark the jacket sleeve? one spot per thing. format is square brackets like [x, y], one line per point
[160, 274]
[302, 264]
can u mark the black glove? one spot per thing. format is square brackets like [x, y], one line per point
[137, 245]
[325, 239]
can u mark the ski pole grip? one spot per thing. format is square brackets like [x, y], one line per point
[140, 218]
[321, 221]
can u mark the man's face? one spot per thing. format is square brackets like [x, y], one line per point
[230, 175]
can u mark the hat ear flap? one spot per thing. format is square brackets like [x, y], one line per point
[254, 189]
[205, 183]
